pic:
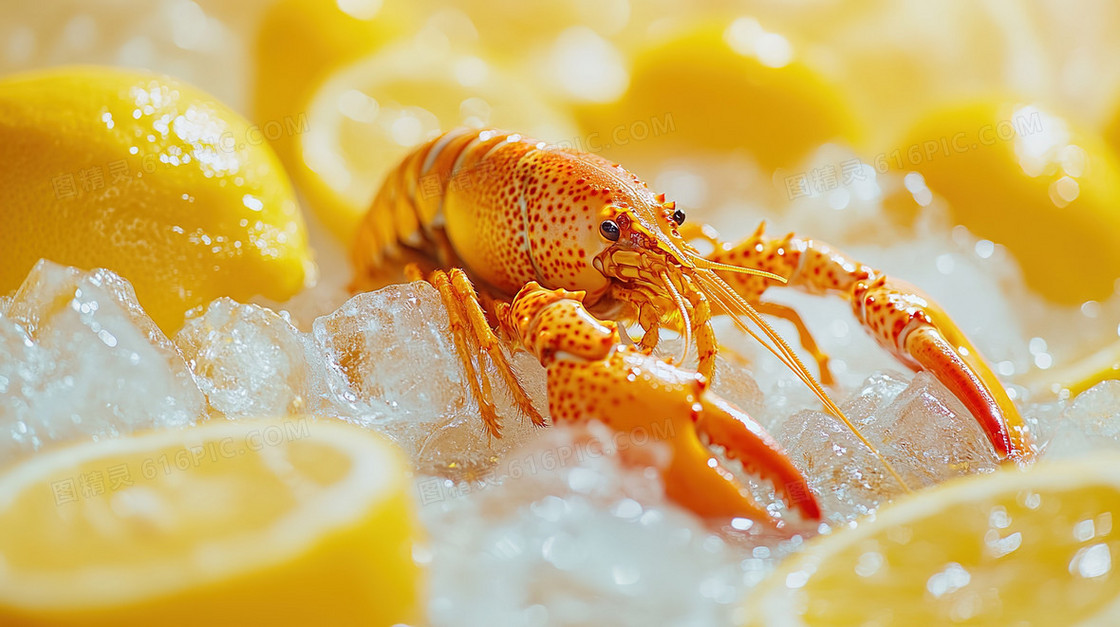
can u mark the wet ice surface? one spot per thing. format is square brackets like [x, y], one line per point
[80, 359]
[571, 538]
[1090, 422]
[917, 426]
[921, 429]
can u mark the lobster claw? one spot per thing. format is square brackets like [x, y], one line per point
[919, 333]
[592, 375]
[697, 480]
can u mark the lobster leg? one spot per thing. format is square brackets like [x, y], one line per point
[644, 400]
[803, 334]
[904, 321]
[472, 333]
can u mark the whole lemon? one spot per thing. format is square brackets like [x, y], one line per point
[716, 87]
[1030, 180]
[150, 178]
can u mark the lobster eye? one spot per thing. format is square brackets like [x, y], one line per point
[678, 217]
[609, 230]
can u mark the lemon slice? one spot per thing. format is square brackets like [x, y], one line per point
[1027, 179]
[367, 116]
[330, 34]
[298, 522]
[150, 178]
[1082, 374]
[1009, 548]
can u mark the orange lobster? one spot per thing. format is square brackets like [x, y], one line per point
[510, 210]
[593, 375]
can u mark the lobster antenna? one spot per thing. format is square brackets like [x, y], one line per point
[700, 262]
[738, 306]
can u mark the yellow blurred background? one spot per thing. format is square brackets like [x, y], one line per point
[1008, 111]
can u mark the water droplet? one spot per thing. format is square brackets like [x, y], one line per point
[742, 524]
[999, 519]
[985, 248]
[952, 578]
[1091, 561]
[869, 563]
[1084, 530]
[797, 579]
[252, 202]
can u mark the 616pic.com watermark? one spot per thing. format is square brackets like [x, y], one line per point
[111, 478]
[832, 176]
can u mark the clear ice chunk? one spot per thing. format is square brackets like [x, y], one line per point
[919, 428]
[1090, 422]
[248, 360]
[391, 365]
[923, 430]
[80, 359]
[847, 478]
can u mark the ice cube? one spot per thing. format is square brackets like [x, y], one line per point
[925, 431]
[579, 542]
[81, 359]
[392, 365]
[847, 478]
[1098, 408]
[734, 383]
[248, 360]
[877, 392]
[1092, 421]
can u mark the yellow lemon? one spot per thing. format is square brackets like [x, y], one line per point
[367, 116]
[721, 88]
[298, 43]
[294, 522]
[510, 29]
[147, 177]
[1008, 548]
[1112, 133]
[1030, 180]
